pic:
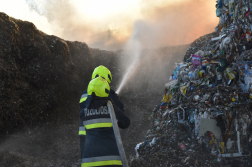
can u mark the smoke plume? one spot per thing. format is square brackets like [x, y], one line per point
[109, 24]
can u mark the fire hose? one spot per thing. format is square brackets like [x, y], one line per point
[117, 134]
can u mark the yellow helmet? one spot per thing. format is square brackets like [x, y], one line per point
[102, 71]
[99, 87]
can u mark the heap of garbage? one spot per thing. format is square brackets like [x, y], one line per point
[205, 115]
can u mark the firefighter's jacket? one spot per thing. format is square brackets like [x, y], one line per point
[100, 145]
[85, 100]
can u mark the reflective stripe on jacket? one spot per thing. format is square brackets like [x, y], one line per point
[98, 123]
[82, 130]
[83, 97]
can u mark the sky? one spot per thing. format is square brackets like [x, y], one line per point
[109, 24]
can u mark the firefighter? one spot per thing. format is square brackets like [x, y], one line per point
[106, 74]
[100, 146]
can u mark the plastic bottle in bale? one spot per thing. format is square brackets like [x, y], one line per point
[232, 75]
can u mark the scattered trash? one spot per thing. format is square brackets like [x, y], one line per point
[182, 147]
[187, 158]
[136, 148]
[208, 101]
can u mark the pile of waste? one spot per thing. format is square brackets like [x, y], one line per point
[205, 115]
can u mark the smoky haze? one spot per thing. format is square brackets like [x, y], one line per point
[153, 70]
[159, 23]
[172, 22]
[178, 23]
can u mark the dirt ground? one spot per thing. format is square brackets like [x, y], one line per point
[43, 78]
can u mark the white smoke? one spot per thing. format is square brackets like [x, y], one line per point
[38, 6]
